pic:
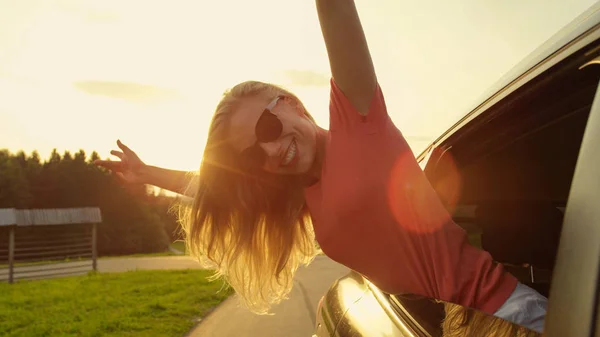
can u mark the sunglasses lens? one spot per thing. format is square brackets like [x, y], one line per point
[268, 127]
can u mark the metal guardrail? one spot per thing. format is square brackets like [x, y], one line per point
[43, 243]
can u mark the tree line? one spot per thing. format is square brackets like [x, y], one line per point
[136, 219]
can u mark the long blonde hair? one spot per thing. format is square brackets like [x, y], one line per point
[252, 227]
[461, 321]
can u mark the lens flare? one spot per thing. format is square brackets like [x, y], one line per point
[418, 204]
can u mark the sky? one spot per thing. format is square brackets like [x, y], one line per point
[80, 74]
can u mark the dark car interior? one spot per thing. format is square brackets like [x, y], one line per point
[506, 176]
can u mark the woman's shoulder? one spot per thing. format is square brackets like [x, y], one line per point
[343, 114]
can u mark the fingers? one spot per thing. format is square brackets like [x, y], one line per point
[115, 167]
[118, 154]
[124, 148]
[109, 164]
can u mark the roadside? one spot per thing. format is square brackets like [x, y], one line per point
[294, 317]
[122, 264]
[141, 303]
[178, 247]
[175, 249]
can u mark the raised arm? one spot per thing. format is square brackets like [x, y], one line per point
[349, 57]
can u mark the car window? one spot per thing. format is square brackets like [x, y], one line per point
[507, 183]
[506, 179]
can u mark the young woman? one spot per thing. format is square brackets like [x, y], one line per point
[270, 175]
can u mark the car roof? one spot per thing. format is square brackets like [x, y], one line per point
[587, 21]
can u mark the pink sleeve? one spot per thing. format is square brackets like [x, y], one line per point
[342, 115]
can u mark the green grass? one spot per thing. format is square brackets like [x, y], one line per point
[139, 303]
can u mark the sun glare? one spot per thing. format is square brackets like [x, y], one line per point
[72, 70]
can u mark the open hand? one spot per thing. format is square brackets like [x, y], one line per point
[128, 169]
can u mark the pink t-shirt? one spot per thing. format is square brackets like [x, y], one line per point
[375, 212]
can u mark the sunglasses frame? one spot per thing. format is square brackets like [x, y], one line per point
[255, 150]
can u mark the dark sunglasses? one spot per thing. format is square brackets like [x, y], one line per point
[268, 128]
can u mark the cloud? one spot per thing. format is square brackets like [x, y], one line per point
[134, 92]
[87, 11]
[306, 78]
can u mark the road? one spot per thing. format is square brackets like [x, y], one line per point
[294, 317]
[116, 265]
[105, 265]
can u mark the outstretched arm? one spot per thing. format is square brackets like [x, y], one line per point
[132, 170]
[349, 57]
[172, 180]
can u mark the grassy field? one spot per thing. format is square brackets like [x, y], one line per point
[140, 303]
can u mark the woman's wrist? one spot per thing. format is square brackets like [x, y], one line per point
[145, 174]
[172, 180]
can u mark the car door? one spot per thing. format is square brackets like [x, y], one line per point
[574, 301]
[574, 306]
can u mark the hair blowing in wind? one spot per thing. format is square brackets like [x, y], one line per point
[252, 227]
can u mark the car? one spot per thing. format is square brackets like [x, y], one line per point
[520, 174]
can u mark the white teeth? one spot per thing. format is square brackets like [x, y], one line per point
[291, 153]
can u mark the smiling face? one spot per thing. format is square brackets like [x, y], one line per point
[273, 133]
